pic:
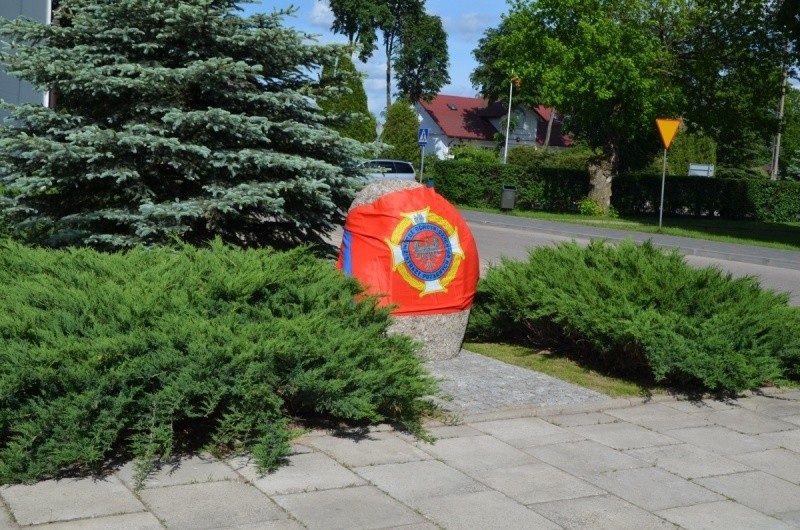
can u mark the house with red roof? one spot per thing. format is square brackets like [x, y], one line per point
[458, 120]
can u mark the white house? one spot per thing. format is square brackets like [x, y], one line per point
[458, 120]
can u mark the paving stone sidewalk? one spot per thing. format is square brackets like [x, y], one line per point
[581, 461]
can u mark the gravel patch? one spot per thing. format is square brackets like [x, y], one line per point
[480, 384]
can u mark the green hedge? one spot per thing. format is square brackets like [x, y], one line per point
[108, 355]
[636, 310]
[561, 190]
[535, 157]
[480, 185]
[756, 199]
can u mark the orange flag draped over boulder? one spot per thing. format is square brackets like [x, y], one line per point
[413, 247]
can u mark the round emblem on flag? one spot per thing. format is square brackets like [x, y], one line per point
[425, 251]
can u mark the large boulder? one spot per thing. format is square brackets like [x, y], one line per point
[407, 244]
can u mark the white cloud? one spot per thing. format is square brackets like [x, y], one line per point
[372, 68]
[470, 26]
[373, 83]
[321, 15]
[459, 89]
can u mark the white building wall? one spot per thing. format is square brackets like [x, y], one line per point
[13, 90]
[437, 141]
[524, 134]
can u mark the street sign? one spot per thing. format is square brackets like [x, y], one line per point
[422, 137]
[667, 128]
[701, 170]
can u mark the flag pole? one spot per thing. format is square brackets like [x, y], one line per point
[508, 118]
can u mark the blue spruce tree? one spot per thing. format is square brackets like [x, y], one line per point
[173, 119]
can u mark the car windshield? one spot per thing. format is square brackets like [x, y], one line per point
[385, 165]
[385, 169]
[389, 166]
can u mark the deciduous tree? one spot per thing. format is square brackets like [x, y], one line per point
[361, 20]
[491, 76]
[597, 60]
[358, 21]
[790, 152]
[613, 66]
[396, 15]
[729, 64]
[787, 16]
[422, 60]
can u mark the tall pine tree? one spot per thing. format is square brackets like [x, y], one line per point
[400, 132]
[174, 118]
[348, 108]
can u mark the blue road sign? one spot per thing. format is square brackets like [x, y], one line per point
[422, 137]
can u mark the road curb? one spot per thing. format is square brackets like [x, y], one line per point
[790, 262]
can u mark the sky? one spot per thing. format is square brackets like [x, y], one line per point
[464, 22]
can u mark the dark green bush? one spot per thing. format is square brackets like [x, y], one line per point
[105, 355]
[686, 148]
[535, 157]
[479, 185]
[637, 310]
[471, 153]
[756, 199]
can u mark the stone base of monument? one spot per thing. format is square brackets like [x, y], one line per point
[441, 335]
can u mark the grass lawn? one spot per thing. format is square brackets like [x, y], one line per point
[772, 235]
[563, 368]
[566, 369]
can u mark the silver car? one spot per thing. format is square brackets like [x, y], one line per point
[384, 169]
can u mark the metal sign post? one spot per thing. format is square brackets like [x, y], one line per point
[663, 180]
[514, 81]
[508, 121]
[421, 161]
[422, 140]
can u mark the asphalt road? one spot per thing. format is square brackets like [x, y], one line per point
[498, 236]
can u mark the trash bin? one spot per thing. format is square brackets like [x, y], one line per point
[508, 197]
[429, 182]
